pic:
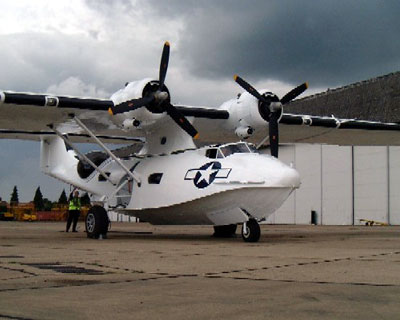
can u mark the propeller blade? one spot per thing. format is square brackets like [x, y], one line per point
[246, 86]
[274, 134]
[130, 105]
[164, 64]
[294, 93]
[180, 119]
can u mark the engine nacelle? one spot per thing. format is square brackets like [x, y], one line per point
[247, 114]
[143, 117]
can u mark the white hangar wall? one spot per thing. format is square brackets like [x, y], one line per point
[394, 185]
[342, 184]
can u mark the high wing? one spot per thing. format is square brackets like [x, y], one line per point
[330, 130]
[142, 112]
[297, 128]
[27, 116]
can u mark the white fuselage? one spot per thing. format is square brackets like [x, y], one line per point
[192, 188]
[217, 185]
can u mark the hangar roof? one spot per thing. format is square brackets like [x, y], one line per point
[376, 99]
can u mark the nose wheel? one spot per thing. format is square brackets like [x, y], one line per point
[251, 231]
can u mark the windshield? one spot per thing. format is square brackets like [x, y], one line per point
[252, 148]
[235, 148]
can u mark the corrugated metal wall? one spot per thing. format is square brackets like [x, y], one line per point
[342, 184]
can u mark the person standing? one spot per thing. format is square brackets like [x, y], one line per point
[74, 211]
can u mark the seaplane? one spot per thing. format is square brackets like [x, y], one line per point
[177, 164]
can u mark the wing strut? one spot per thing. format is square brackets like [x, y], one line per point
[107, 150]
[80, 154]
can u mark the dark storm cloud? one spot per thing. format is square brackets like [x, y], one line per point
[326, 42]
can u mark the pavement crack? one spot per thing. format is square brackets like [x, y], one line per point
[312, 282]
[27, 273]
[301, 264]
[5, 316]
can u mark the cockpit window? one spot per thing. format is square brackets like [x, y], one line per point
[252, 148]
[234, 148]
[237, 148]
[224, 151]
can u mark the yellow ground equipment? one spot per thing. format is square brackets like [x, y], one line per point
[373, 223]
[7, 216]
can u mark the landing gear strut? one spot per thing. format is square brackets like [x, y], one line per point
[251, 231]
[97, 222]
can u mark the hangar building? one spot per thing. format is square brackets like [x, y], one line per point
[344, 184]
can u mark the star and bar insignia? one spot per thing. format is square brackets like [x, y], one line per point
[207, 173]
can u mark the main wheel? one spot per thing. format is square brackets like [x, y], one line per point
[227, 231]
[251, 231]
[96, 222]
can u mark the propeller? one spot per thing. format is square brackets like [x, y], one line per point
[164, 64]
[157, 99]
[270, 108]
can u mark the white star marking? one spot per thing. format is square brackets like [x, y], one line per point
[206, 174]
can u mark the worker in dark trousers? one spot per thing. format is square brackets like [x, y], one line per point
[74, 211]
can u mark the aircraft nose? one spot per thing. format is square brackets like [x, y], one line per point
[290, 178]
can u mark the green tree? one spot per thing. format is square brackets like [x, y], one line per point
[47, 204]
[14, 197]
[63, 198]
[38, 200]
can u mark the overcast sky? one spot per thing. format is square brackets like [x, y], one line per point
[92, 47]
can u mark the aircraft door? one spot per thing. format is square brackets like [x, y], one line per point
[126, 186]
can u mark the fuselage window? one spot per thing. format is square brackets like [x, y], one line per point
[211, 153]
[85, 169]
[155, 178]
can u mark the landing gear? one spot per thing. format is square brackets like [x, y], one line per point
[251, 231]
[227, 231]
[97, 222]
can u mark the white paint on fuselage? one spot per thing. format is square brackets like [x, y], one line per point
[257, 183]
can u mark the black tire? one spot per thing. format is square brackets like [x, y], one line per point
[251, 231]
[96, 222]
[227, 231]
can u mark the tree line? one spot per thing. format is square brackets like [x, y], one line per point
[44, 204]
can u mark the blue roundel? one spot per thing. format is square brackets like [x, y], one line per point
[206, 174]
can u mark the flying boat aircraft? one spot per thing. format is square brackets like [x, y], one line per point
[161, 175]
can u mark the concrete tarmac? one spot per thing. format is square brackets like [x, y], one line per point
[149, 272]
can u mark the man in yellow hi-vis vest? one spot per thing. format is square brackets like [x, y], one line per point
[74, 211]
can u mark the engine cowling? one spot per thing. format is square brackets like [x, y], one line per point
[142, 117]
[270, 108]
[249, 115]
[155, 98]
